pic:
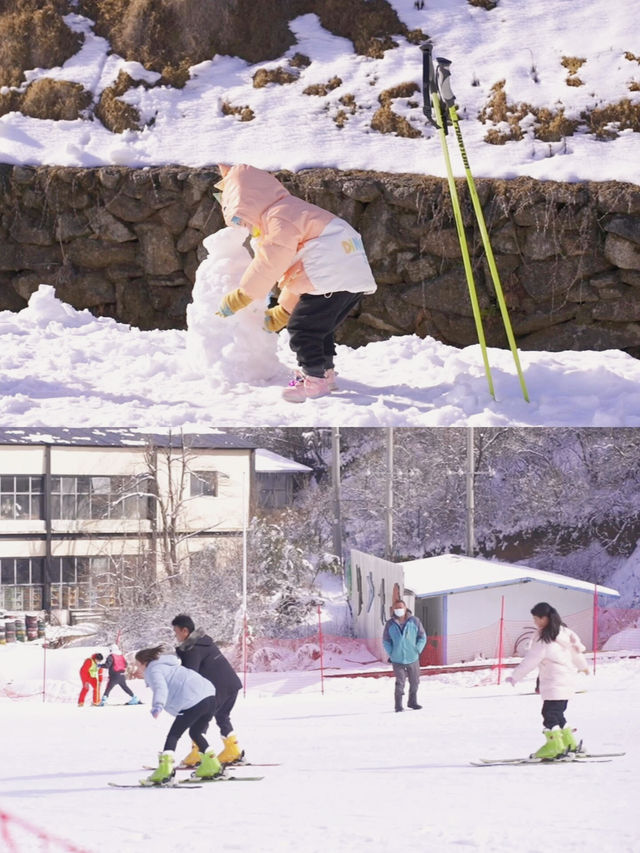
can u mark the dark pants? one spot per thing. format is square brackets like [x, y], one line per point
[224, 706]
[196, 719]
[553, 713]
[312, 325]
[403, 671]
[117, 679]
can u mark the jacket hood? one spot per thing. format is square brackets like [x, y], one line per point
[168, 660]
[195, 637]
[247, 193]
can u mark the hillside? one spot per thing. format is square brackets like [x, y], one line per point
[326, 83]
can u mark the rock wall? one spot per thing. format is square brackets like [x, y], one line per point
[126, 243]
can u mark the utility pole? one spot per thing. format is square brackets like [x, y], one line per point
[388, 528]
[470, 513]
[335, 481]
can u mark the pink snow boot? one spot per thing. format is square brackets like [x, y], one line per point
[330, 375]
[306, 387]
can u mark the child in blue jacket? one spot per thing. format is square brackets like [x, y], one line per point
[187, 696]
[403, 639]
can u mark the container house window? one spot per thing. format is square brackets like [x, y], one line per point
[204, 484]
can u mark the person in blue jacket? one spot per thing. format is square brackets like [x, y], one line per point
[403, 640]
[189, 698]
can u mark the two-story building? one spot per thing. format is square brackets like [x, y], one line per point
[83, 509]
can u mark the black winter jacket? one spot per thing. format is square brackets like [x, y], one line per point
[199, 652]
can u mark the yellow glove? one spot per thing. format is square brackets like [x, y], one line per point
[232, 302]
[276, 318]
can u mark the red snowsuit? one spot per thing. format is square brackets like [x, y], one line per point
[91, 678]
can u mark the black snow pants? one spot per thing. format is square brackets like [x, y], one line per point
[312, 325]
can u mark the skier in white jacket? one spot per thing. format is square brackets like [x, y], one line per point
[558, 653]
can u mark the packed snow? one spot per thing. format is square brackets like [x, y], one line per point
[60, 366]
[352, 774]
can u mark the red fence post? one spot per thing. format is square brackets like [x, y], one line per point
[44, 671]
[594, 640]
[320, 643]
[501, 640]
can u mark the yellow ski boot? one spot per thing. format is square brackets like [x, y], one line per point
[231, 752]
[193, 759]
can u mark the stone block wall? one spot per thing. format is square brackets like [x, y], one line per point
[126, 243]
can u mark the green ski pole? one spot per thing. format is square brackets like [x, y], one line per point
[443, 86]
[431, 97]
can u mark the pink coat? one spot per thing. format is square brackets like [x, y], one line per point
[557, 664]
[300, 246]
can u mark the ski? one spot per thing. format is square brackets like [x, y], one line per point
[143, 785]
[572, 756]
[197, 781]
[226, 766]
[515, 762]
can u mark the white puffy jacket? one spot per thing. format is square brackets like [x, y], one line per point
[557, 662]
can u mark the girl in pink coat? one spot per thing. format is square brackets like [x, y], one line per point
[316, 259]
[558, 654]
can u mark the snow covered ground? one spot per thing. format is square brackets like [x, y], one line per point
[62, 367]
[354, 775]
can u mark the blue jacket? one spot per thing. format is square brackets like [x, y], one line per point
[175, 688]
[403, 643]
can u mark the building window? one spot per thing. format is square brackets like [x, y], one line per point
[204, 484]
[275, 490]
[101, 497]
[20, 497]
[21, 583]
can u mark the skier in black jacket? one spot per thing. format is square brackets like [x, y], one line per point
[197, 651]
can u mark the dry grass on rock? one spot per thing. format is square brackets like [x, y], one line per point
[281, 76]
[244, 113]
[549, 125]
[607, 122]
[116, 115]
[58, 100]
[33, 36]
[323, 88]
[386, 121]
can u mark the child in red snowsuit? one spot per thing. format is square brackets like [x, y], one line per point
[91, 677]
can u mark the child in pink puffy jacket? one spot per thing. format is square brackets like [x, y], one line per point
[558, 653]
[317, 260]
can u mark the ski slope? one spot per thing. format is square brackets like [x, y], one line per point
[354, 775]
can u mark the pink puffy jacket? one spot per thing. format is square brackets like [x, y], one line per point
[557, 664]
[300, 246]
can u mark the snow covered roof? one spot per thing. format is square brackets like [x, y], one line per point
[450, 573]
[267, 462]
[111, 437]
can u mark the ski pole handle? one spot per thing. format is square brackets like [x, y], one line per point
[427, 80]
[443, 82]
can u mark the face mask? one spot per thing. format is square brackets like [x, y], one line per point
[399, 612]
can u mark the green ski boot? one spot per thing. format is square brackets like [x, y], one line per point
[165, 770]
[209, 766]
[570, 743]
[553, 747]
